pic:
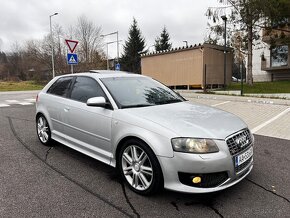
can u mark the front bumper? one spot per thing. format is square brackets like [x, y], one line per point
[176, 169]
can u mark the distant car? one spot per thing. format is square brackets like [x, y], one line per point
[234, 79]
[151, 134]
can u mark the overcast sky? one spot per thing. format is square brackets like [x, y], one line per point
[21, 20]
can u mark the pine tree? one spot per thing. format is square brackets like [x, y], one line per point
[135, 44]
[162, 42]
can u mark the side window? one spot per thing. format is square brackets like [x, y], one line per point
[60, 87]
[85, 88]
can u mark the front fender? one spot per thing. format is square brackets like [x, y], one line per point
[159, 144]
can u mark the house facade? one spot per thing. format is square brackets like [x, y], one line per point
[277, 60]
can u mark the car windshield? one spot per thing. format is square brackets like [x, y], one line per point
[129, 92]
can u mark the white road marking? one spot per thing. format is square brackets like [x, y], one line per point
[12, 101]
[256, 129]
[260, 101]
[225, 102]
[30, 99]
[4, 105]
[25, 103]
[206, 97]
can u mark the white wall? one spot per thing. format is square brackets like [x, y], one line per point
[258, 49]
[258, 74]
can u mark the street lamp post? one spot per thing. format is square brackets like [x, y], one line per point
[52, 44]
[117, 47]
[117, 33]
[186, 43]
[108, 51]
[107, 56]
[241, 68]
[225, 51]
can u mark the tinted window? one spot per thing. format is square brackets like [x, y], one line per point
[61, 86]
[85, 88]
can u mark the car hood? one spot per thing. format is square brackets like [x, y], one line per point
[191, 120]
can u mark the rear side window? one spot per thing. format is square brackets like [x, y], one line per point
[85, 88]
[61, 86]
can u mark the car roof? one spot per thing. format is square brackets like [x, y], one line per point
[104, 74]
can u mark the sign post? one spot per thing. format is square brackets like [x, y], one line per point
[72, 58]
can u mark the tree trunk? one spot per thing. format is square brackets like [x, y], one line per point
[250, 55]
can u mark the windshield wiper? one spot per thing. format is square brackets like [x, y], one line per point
[169, 101]
[136, 105]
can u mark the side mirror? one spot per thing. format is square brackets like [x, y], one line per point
[97, 102]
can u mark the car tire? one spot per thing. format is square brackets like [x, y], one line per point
[43, 130]
[140, 168]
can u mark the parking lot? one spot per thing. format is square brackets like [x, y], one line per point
[39, 181]
[264, 116]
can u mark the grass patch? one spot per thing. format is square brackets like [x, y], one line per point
[19, 86]
[263, 87]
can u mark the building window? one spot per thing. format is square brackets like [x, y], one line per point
[279, 56]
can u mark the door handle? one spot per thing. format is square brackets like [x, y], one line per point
[66, 109]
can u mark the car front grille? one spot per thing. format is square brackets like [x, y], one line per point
[239, 142]
[208, 180]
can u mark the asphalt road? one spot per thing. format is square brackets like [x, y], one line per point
[39, 181]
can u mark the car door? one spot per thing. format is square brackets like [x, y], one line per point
[88, 128]
[55, 100]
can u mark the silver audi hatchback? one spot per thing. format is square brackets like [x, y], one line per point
[152, 135]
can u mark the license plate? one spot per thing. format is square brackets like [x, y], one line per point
[242, 158]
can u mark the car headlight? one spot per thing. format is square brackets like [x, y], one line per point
[194, 145]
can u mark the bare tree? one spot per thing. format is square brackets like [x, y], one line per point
[60, 50]
[15, 62]
[88, 35]
[33, 59]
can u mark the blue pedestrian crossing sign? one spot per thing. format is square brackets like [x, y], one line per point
[72, 59]
[118, 66]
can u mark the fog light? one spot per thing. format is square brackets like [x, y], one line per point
[196, 180]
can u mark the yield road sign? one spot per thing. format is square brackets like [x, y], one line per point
[72, 59]
[71, 44]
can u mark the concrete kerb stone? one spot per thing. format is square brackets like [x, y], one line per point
[285, 96]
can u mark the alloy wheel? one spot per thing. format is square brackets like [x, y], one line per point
[43, 130]
[137, 168]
